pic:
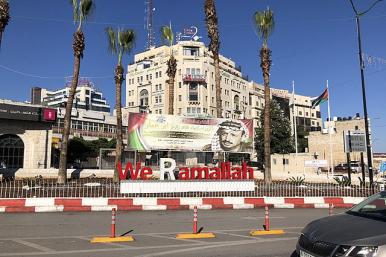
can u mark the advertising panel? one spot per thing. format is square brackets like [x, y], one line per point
[168, 132]
[28, 113]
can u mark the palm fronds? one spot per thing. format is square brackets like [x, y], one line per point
[82, 9]
[265, 24]
[120, 41]
[4, 16]
[167, 34]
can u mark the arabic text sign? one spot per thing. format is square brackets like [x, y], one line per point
[168, 132]
[315, 163]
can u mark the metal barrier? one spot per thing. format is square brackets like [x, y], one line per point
[96, 187]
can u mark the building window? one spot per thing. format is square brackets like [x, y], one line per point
[212, 99]
[193, 92]
[307, 114]
[179, 85]
[144, 98]
[312, 114]
[179, 111]
[191, 51]
[300, 112]
[180, 98]
[11, 151]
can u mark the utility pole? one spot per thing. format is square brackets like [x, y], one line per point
[361, 65]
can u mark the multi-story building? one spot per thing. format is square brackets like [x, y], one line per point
[328, 143]
[87, 97]
[195, 92]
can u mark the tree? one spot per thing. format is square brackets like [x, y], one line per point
[214, 46]
[120, 42]
[281, 136]
[4, 16]
[81, 10]
[265, 24]
[168, 36]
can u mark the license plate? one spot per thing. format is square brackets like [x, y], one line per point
[304, 254]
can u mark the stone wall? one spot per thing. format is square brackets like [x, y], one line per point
[36, 137]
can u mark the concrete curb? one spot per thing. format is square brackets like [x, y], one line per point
[144, 204]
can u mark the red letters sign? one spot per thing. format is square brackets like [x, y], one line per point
[223, 171]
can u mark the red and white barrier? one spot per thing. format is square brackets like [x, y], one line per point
[154, 203]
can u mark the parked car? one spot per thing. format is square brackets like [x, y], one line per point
[359, 232]
[342, 167]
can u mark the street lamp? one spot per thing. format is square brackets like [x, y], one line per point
[361, 66]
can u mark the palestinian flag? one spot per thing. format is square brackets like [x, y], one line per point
[320, 99]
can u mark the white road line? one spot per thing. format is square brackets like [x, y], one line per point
[243, 236]
[173, 238]
[137, 234]
[214, 245]
[211, 245]
[33, 245]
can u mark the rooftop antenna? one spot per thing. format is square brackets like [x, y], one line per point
[149, 23]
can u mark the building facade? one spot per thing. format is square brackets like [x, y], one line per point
[195, 93]
[330, 146]
[25, 136]
[87, 97]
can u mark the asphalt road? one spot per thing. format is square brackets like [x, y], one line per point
[68, 234]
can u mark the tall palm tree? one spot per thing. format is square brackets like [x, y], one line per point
[81, 10]
[120, 42]
[214, 46]
[4, 16]
[168, 36]
[264, 22]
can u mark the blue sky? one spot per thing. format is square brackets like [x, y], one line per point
[313, 41]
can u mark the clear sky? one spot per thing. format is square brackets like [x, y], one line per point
[313, 41]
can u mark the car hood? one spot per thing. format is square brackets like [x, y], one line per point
[347, 229]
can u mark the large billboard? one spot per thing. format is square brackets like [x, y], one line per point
[168, 132]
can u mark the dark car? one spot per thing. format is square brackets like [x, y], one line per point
[359, 232]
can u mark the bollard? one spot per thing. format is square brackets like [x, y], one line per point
[195, 220]
[196, 233]
[112, 238]
[266, 219]
[330, 209]
[113, 216]
[267, 227]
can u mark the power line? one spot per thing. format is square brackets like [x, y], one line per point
[49, 77]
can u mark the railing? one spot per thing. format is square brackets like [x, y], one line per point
[96, 187]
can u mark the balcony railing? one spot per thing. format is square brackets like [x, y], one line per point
[194, 78]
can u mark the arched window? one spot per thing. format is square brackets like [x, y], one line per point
[236, 103]
[11, 151]
[144, 98]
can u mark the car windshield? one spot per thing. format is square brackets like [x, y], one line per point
[374, 206]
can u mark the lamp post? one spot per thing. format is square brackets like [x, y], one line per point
[361, 66]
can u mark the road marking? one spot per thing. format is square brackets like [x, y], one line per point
[243, 236]
[33, 245]
[214, 245]
[173, 238]
[260, 218]
[136, 234]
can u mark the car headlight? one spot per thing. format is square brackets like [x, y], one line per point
[342, 250]
[364, 251]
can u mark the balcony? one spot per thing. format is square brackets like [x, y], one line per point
[194, 78]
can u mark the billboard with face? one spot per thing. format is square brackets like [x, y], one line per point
[168, 132]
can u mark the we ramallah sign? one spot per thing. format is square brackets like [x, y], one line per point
[190, 179]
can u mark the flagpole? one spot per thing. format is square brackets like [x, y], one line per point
[329, 131]
[294, 118]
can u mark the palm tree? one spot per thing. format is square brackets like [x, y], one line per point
[265, 24]
[81, 9]
[120, 42]
[214, 46]
[4, 16]
[168, 36]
